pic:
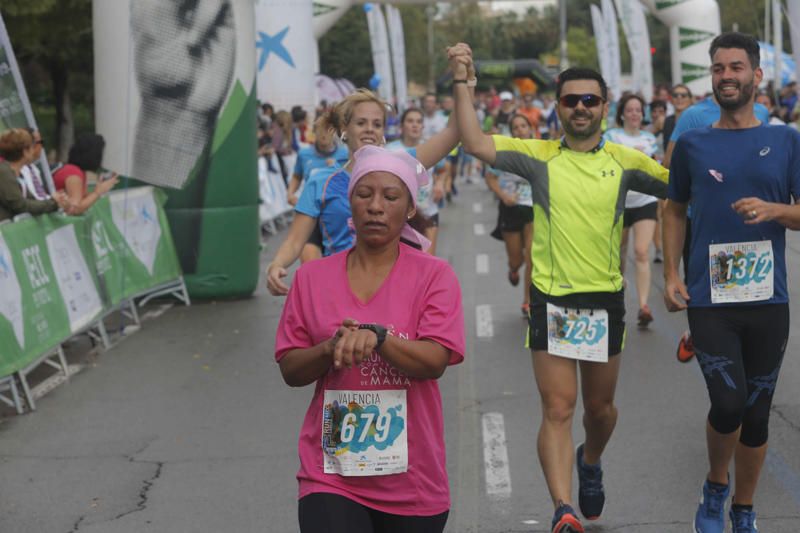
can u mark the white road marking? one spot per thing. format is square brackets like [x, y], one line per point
[477, 207]
[482, 263]
[483, 321]
[530, 522]
[479, 229]
[495, 456]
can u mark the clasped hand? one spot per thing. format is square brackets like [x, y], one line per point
[350, 345]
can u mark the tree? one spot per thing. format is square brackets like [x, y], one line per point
[55, 35]
[345, 51]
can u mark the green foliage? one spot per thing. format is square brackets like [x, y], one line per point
[345, 51]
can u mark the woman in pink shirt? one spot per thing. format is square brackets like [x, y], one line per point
[374, 341]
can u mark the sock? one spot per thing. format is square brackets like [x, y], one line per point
[716, 487]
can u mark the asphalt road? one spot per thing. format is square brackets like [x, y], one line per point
[186, 425]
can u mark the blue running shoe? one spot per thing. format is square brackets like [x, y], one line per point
[710, 516]
[565, 520]
[743, 521]
[591, 496]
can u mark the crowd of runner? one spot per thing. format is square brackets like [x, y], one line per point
[373, 318]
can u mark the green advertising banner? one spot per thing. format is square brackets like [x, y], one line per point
[59, 274]
[33, 316]
[132, 243]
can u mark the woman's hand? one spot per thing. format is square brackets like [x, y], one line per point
[509, 200]
[104, 186]
[275, 286]
[353, 345]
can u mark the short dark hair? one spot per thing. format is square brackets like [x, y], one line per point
[742, 41]
[87, 152]
[623, 102]
[578, 73]
[410, 110]
[656, 104]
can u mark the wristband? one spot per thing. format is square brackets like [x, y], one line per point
[461, 81]
[472, 82]
[378, 330]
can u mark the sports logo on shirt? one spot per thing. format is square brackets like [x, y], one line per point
[717, 175]
[764, 151]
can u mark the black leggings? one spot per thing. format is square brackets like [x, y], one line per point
[331, 513]
[740, 351]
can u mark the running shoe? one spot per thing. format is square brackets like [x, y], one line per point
[710, 516]
[591, 496]
[645, 316]
[565, 520]
[743, 521]
[658, 258]
[685, 347]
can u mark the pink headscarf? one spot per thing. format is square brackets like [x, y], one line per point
[410, 171]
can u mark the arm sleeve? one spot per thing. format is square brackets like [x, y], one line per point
[794, 167]
[292, 329]
[11, 197]
[519, 156]
[309, 203]
[298, 165]
[647, 175]
[679, 178]
[442, 316]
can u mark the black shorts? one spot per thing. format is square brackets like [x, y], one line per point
[612, 302]
[740, 350]
[332, 513]
[512, 219]
[316, 236]
[635, 214]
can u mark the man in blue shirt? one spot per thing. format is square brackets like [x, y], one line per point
[740, 177]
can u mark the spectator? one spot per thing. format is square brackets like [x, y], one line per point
[767, 99]
[85, 155]
[682, 99]
[31, 174]
[299, 128]
[16, 149]
[265, 116]
[281, 134]
[532, 112]
[502, 122]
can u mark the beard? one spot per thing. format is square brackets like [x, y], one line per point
[745, 95]
[583, 132]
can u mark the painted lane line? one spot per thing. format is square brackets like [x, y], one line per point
[495, 456]
[477, 207]
[482, 263]
[479, 229]
[483, 321]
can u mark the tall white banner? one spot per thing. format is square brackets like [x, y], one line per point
[614, 79]
[793, 15]
[286, 53]
[631, 14]
[397, 38]
[601, 41]
[379, 39]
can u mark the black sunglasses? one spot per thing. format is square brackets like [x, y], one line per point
[680, 95]
[588, 100]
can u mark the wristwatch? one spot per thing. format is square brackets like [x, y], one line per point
[378, 330]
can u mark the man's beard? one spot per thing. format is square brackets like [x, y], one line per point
[592, 128]
[745, 95]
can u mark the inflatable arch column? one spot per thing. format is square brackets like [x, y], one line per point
[693, 24]
[175, 101]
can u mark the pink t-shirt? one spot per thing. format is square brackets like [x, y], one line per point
[420, 298]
